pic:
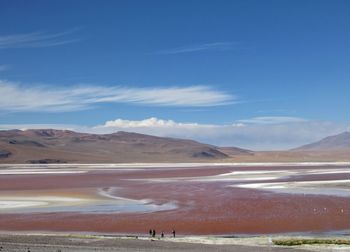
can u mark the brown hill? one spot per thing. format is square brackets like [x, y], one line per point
[63, 146]
[331, 143]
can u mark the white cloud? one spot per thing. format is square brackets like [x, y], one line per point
[150, 122]
[217, 46]
[37, 39]
[157, 127]
[19, 97]
[173, 96]
[252, 136]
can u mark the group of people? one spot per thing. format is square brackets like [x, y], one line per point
[152, 233]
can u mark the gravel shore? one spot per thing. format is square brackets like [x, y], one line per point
[66, 243]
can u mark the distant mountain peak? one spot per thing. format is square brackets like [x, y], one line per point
[336, 142]
[345, 134]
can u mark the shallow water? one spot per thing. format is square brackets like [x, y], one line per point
[103, 202]
[219, 199]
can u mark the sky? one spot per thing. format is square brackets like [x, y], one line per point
[262, 75]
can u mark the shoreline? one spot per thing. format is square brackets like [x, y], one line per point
[309, 234]
[77, 240]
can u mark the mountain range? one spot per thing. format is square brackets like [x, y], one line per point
[64, 146]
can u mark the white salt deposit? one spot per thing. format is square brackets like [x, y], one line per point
[103, 202]
[37, 171]
[339, 188]
[13, 202]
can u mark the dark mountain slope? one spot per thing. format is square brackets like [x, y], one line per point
[57, 146]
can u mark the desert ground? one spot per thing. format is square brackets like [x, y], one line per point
[73, 243]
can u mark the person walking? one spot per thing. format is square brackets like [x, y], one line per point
[153, 233]
[173, 233]
[162, 234]
[150, 232]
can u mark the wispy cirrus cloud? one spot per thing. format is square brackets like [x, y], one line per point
[37, 39]
[29, 97]
[217, 46]
[272, 120]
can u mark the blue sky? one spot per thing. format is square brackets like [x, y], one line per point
[265, 74]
